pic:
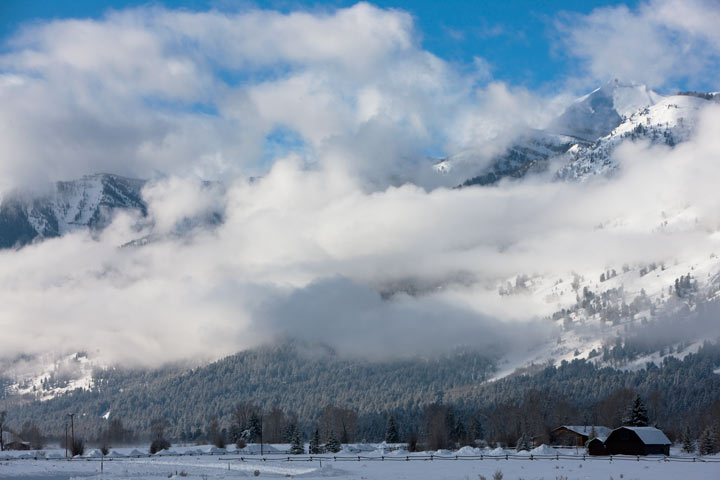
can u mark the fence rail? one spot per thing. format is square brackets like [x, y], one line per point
[234, 457]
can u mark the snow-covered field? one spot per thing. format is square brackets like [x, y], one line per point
[205, 462]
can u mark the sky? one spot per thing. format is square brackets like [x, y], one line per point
[516, 37]
[333, 112]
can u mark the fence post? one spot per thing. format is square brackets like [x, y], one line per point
[531, 457]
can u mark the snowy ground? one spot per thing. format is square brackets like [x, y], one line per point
[199, 463]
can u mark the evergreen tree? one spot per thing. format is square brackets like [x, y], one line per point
[460, 433]
[688, 442]
[296, 446]
[476, 430]
[707, 443]
[523, 443]
[637, 415]
[314, 448]
[333, 445]
[391, 432]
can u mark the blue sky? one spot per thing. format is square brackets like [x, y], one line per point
[516, 38]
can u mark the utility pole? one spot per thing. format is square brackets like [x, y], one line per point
[72, 429]
[66, 438]
[261, 439]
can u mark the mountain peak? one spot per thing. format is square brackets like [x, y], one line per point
[599, 112]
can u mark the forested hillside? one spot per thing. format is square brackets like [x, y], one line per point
[300, 384]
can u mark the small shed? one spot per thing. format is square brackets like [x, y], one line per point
[596, 446]
[14, 442]
[637, 441]
[578, 435]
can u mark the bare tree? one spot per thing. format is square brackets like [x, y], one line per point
[339, 420]
[274, 425]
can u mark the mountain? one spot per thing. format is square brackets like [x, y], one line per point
[302, 381]
[582, 139]
[599, 112]
[669, 121]
[65, 206]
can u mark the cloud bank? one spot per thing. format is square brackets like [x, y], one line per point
[657, 43]
[333, 112]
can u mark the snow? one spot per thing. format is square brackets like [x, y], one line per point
[540, 463]
[67, 372]
[600, 431]
[544, 450]
[650, 435]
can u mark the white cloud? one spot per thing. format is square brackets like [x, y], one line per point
[194, 95]
[659, 42]
[305, 252]
[149, 90]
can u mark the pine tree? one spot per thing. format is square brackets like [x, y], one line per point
[296, 446]
[332, 445]
[391, 433]
[637, 415]
[688, 442]
[314, 448]
[476, 430]
[523, 443]
[461, 433]
[707, 444]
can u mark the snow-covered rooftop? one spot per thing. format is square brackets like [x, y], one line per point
[649, 435]
[600, 431]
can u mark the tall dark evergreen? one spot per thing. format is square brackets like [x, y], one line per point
[333, 444]
[476, 430]
[637, 415]
[707, 443]
[688, 441]
[296, 445]
[391, 432]
[3, 415]
[314, 447]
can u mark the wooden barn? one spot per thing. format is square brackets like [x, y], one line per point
[596, 446]
[637, 441]
[577, 435]
[14, 442]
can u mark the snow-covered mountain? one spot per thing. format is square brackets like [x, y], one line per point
[65, 206]
[580, 142]
[599, 112]
[669, 121]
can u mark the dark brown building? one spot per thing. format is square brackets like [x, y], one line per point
[596, 446]
[637, 441]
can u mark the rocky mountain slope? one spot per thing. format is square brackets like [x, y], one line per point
[88, 202]
[579, 143]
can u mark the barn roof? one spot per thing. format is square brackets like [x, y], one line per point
[600, 431]
[649, 435]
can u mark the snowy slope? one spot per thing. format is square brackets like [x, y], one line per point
[599, 112]
[669, 121]
[66, 206]
[584, 122]
[46, 376]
